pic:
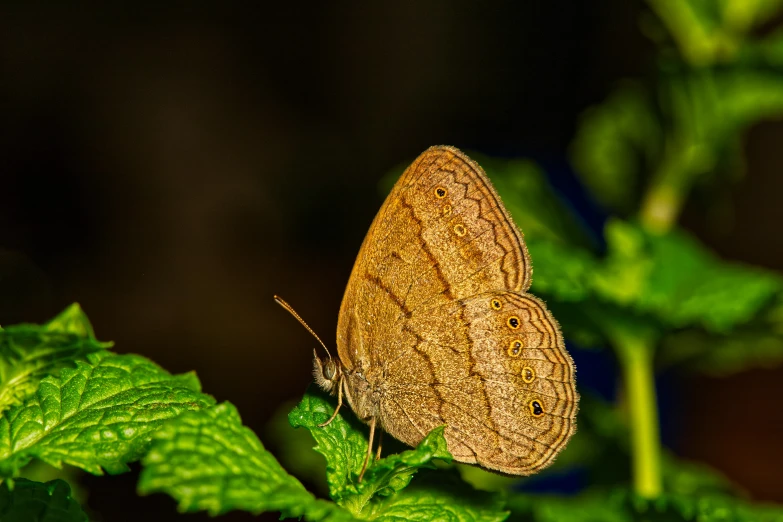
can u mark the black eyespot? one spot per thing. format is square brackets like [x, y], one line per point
[495, 304]
[536, 409]
[440, 192]
[515, 348]
[513, 322]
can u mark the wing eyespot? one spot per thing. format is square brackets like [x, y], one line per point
[528, 374]
[440, 192]
[460, 230]
[446, 210]
[535, 408]
[513, 322]
[515, 348]
[495, 304]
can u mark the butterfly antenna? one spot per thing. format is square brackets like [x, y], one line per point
[279, 300]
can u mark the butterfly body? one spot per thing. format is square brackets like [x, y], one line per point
[437, 328]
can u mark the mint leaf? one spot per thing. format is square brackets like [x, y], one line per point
[385, 493]
[393, 473]
[614, 143]
[592, 506]
[294, 449]
[694, 479]
[97, 416]
[703, 507]
[622, 505]
[207, 460]
[72, 321]
[39, 502]
[342, 443]
[29, 352]
[440, 495]
[562, 271]
[676, 279]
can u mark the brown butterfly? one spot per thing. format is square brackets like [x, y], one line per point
[437, 328]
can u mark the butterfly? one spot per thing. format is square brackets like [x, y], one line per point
[437, 328]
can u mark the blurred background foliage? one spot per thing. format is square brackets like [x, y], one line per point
[173, 167]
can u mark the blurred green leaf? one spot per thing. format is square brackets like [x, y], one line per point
[694, 479]
[616, 142]
[622, 505]
[208, 460]
[562, 271]
[586, 507]
[700, 507]
[712, 31]
[759, 343]
[28, 501]
[29, 352]
[39, 471]
[678, 281]
[716, 314]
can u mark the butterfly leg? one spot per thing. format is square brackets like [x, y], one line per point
[369, 448]
[339, 404]
[380, 443]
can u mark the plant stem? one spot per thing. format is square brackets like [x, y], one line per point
[636, 358]
[660, 208]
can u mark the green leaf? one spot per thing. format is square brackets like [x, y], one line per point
[694, 479]
[440, 495]
[622, 505]
[293, 448]
[72, 321]
[344, 446]
[97, 416]
[591, 506]
[678, 281]
[29, 501]
[616, 142]
[207, 460]
[562, 271]
[393, 473]
[716, 316]
[342, 442]
[709, 32]
[702, 507]
[758, 343]
[29, 352]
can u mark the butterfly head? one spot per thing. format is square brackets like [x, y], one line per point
[326, 372]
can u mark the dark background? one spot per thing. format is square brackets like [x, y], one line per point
[172, 168]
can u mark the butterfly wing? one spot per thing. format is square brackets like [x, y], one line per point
[442, 234]
[498, 376]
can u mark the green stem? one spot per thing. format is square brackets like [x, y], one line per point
[636, 356]
[682, 162]
[660, 208]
